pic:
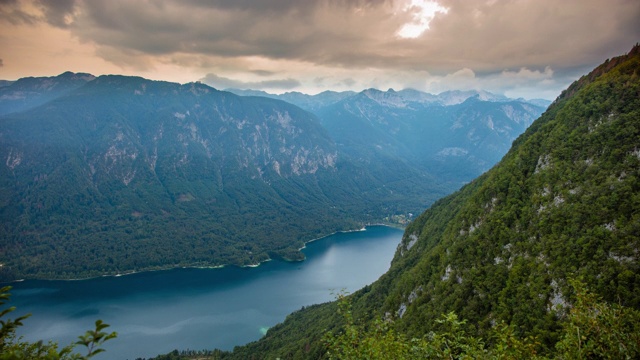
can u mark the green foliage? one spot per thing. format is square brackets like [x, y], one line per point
[452, 341]
[12, 348]
[593, 330]
[507, 345]
[380, 342]
[597, 330]
[93, 339]
[8, 326]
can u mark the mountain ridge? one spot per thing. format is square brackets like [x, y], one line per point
[314, 103]
[29, 92]
[123, 157]
[127, 174]
[113, 174]
[440, 139]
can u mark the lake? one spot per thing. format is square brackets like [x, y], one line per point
[156, 312]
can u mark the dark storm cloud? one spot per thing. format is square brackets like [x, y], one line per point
[59, 12]
[316, 31]
[219, 82]
[534, 34]
[487, 37]
[269, 7]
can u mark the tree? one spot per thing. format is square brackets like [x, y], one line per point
[598, 330]
[593, 329]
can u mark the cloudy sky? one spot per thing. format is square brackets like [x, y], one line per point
[528, 48]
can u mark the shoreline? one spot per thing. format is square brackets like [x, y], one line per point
[133, 272]
[304, 246]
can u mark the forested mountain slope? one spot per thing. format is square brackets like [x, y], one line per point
[564, 203]
[454, 136]
[116, 174]
[125, 174]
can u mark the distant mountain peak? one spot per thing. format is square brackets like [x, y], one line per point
[29, 92]
[453, 97]
[388, 98]
[76, 76]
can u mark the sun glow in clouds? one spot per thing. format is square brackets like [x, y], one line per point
[423, 12]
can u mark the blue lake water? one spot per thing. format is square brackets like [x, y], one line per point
[156, 312]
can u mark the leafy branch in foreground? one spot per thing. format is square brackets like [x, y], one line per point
[94, 339]
[597, 330]
[12, 348]
[593, 329]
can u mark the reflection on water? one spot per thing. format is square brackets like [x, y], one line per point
[156, 312]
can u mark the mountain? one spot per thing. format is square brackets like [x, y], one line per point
[308, 102]
[454, 97]
[117, 174]
[29, 92]
[316, 102]
[125, 174]
[539, 102]
[454, 136]
[454, 141]
[563, 203]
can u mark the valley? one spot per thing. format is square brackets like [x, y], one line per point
[189, 176]
[113, 174]
[307, 180]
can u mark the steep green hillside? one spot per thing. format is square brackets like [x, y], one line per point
[564, 203]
